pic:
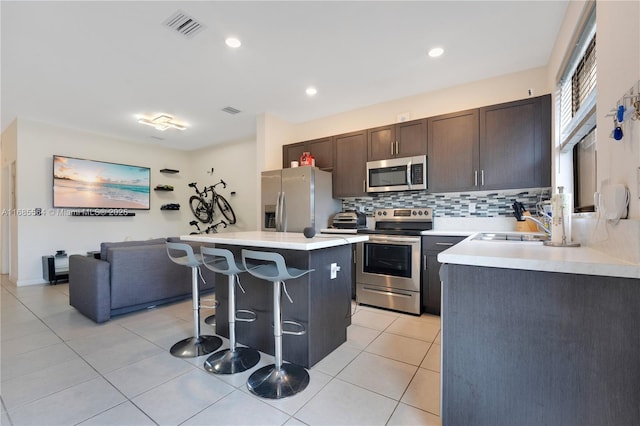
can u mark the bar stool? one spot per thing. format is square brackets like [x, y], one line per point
[237, 358]
[277, 380]
[196, 345]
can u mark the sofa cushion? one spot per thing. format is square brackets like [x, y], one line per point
[104, 247]
[141, 274]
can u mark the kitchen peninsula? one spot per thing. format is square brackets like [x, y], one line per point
[539, 335]
[321, 300]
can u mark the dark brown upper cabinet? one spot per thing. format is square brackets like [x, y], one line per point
[453, 151]
[397, 140]
[515, 144]
[350, 168]
[504, 146]
[321, 149]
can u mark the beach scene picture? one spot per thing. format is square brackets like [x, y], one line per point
[80, 183]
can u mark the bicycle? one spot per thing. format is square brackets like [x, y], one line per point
[209, 229]
[203, 209]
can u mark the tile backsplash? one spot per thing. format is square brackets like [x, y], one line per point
[487, 204]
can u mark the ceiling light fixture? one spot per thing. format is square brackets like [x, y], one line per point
[436, 51]
[162, 122]
[311, 91]
[233, 42]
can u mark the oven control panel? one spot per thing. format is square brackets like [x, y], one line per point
[404, 215]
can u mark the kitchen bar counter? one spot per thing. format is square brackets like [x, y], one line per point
[534, 256]
[277, 240]
[321, 299]
[541, 335]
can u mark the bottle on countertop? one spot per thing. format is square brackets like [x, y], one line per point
[561, 207]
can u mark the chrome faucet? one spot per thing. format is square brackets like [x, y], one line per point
[544, 227]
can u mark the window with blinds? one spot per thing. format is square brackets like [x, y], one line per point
[577, 89]
[576, 112]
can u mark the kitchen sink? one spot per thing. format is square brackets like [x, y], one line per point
[531, 237]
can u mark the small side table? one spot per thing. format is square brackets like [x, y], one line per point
[94, 254]
[55, 268]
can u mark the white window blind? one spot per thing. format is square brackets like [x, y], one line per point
[577, 89]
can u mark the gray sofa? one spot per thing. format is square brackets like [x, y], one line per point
[129, 276]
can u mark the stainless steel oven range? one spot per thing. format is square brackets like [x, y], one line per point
[388, 272]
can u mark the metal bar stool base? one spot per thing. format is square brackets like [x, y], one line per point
[270, 382]
[227, 362]
[192, 347]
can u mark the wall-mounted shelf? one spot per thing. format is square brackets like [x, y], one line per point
[169, 171]
[105, 212]
[170, 206]
[161, 188]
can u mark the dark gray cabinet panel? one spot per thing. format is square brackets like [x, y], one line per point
[431, 246]
[350, 167]
[453, 151]
[321, 149]
[503, 146]
[321, 304]
[515, 144]
[539, 348]
[397, 140]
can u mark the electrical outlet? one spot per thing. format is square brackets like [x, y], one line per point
[472, 207]
[334, 270]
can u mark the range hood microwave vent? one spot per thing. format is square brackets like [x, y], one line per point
[183, 24]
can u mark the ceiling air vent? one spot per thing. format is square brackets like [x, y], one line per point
[230, 110]
[184, 24]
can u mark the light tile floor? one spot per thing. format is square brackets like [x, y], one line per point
[60, 368]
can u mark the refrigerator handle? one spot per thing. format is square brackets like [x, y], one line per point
[283, 213]
[278, 212]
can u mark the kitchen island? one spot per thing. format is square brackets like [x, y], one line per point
[539, 335]
[321, 300]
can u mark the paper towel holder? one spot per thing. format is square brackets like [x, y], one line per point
[563, 242]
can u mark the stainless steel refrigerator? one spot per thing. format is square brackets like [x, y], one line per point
[296, 198]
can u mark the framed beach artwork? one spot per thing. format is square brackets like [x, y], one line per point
[90, 184]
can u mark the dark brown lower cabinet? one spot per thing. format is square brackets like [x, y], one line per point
[539, 348]
[320, 303]
[431, 246]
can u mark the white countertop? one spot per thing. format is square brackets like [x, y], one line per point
[448, 233]
[278, 240]
[535, 256]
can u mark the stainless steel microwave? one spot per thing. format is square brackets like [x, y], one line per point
[397, 174]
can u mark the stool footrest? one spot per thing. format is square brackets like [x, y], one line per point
[299, 332]
[252, 316]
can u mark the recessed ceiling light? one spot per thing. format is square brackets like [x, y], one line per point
[233, 42]
[162, 122]
[311, 91]
[436, 51]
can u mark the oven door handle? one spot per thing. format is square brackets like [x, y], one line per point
[386, 239]
[386, 293]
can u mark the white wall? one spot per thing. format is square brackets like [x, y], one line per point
[473, 95]
[618, 56]
[9, 222]
[43, 235]
[235, 163]
[33, 144]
